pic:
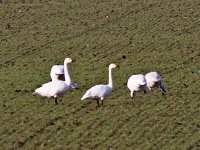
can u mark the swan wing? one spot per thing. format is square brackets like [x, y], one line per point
[52, 88]
[137, 80]
[56, 69]
[153, 77]
[97, 91]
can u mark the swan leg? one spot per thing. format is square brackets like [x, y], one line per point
[132, 94]
[102, 100]
[98, 103]
[56, 100]
[145, 93]
[161, 87]
[163, 91]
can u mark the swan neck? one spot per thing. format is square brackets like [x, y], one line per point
[110, 82]
[67, 75]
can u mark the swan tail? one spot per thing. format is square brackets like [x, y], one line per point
[41, 91]
[83, 98]
[86, 95]
[37, 91]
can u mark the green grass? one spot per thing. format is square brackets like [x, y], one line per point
[152, 34]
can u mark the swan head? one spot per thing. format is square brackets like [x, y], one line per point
[111, 66]
[68, 60]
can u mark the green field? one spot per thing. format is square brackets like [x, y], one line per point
[138, 35]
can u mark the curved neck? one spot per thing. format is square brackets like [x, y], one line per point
[110, 82]
[67, 75]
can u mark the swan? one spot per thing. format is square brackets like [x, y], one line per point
[57, 73]
[137, 83]
[58, 87]
[99, 92]
[154, 80]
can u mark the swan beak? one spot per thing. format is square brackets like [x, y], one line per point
[74, 60]
[118, 66]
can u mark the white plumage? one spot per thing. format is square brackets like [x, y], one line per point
[58, 87]
[154, 80]
[137, 83]
[99, 92]
[51, 89]
[56, 70]
[57, 73]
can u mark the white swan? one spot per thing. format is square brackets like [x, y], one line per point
[98, 92]
[58, 87]
[57, 73]
[137, 83]
[154, 80]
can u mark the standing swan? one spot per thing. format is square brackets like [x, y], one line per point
[137, 83]
[56, 88]
[154, 80]
[98, 92]
[57, 73]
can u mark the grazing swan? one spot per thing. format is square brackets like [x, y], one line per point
[57, 73]
[98, 92]
[137, 83]
[56, 88]
[154, 80]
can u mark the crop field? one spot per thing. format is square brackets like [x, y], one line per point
[138, 35]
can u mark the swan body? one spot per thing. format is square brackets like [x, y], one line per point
[58, 87]
[154, 80]
[99, 92]
[137, 83]
[57, 73]
[52, 89]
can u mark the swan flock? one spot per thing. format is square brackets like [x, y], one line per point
[61, 83]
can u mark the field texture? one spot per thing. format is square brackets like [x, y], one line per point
[138, 35]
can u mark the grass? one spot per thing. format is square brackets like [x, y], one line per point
[140, 36]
